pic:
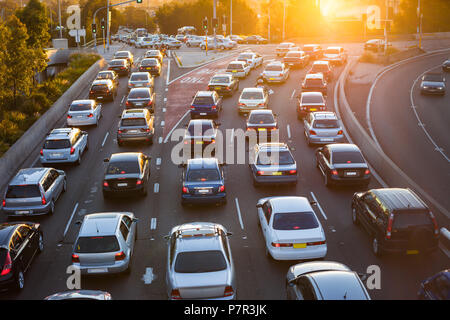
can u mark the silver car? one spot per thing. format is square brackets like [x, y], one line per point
[324, 280]
[136, 125]
[105, 243]
[84, 113]
[322, 127]
[34, 191]
[80, 295]
[64, 145]
[238, 69]
[253, 99]
[199, 262]
[140, 79]
[275, 72]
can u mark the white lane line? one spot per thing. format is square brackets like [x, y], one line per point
[123, 98]
[292, 95]
[165, 99]
[289, 131]
[164, 109]
[153, 224]
[232, 137]
[158, 161]
[167, 89]
[162, 123]
[239, 213]
[160, 140]
[176, 125]
[156, 188]
[318, 206]
[168, 73]
[34, 162]
[71, 217]
[104, 140]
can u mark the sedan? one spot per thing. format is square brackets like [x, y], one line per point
[200, 134]
[121, 66]
[84, 113]
[436, 287]
[263, 125]
[291, 229]
[432, 83]
[103, 90]
[140, 79]
[296, 59]
[141, 98]
[154, 54]
[109, 74]
[253, 99]
[151, 65]
[275, 72]
[322, 128]
[224, 84]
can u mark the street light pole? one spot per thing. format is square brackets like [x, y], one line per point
[284, 17]
[419, 27]
[268, 27]
[107, 25]
[59, 13]
[231, 17]
[214, 19]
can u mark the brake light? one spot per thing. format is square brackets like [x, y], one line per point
[317, 243]
[228, 291]
[90, 115]
[261, 105]
[185, 190]
[69, 116]
[145, 130]
[41, 152]
[44, 201]
[293, 172]
[228, 88]
[389, 228]
[120, 256]
[340, 132]
[214, 107]
[436, 228]
[312, 132]
[367, 171]
[192, 107]
[175, 294]
[7, 265]
[241, 104]
[119, 131]
[127, 103]
[139, 182]
[3, 203]
[150, 103]
[105, 184]
[334, 172]
[222, 189]
[281, 245]
[260, 173]
[75, 258]
[72, 150]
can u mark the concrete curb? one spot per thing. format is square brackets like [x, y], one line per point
[445, 237]
[13, 159]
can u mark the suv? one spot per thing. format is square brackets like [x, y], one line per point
[140, 79]
[64, 145]
[124, 55]
[105, 243]
[310, 102]
[224, 84]
[285, 47]
[315, 82]
[397, 221]
[34, 191]
[336, 55]
[121, 66]
[199, 262]
[206, 103]
[275, 72]
[322, 128]
[136, 125]
[103, 90]
[141, 97]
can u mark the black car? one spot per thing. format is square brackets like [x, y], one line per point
[314, 51]
[342, 163]
[19, 243]
[397, 220]
[223, 84]
[200, 134]
[141, 98]
[436, 287]
[126, 173]
[432, 83]
[109, 75]
[121, 66]
[262, 123]
[446, 65]
[151, 65]
[203, 182]
[103, 90]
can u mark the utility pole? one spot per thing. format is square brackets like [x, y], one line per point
[268, 27]
[231, 17]
[214, 26]
[107, 25]
[284, 18]
[419, 27]
[59, 13]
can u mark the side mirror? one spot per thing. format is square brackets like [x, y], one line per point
[148, 158]
[136, 220]
[229, 234]
[106, 160]
[78, 222]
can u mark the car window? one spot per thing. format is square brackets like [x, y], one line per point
[200, 129]
[57, 144]
[347, 157]
[332, 51]
[311, 99]
[123, 167]
[220, 80]
[235, 67]
[267, 210]
[278, 68]
[124, 230]
[129, 122]
[127, 220]
[24, 231]
[139, 94]
[442, 287]
[275, 158]
[326, 154]
[149, 62]
[201, 175]
[326, 124]
[223, 238]
[104, 75]
[200, 261]
[81, 106]
[252, 95]
[404, 219]
[313, 82]
[117, 63]
[23, 191]
[16, 241]
[139, 77]
[293, 55]
[306, 289]
[203, 101]
[319, 67]
[98, 87]
[97, 244]
[261, 118]
[294, 221]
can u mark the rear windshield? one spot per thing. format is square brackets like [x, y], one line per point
[80, 107]
[104, 75]
[123, 167]
[319, 67]
[404, 219]
[332, 51]
[129, 122]
[149, 62]
[252, 95]
[347, 157]
[261, 118]
[152, 53]
[99, 87]
[275, 158]
[293, 55]
[97, 244]
[138, 77]
[274, 68]
[308, 48]
[24, 191]
[198, 129]
[326, 124]
[245, 56]
[311, 99]
[139, 94]
[117, 63]
[204, 101]
[57, 144]
[220, 80]
[235, 67]
[294, 221]
[121, 54]
[285, 45]
[202, 175]
[314, 82]
[200, 261]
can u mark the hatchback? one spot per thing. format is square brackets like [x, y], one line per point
[206, 103]
[84, 113]
[64, 145]
[103, 90]
[322, 127]
[141, 98]
[136, 125]
[253, 99]
[140, 79]
[310, 102]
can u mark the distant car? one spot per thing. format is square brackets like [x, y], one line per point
[323, 67]
[136, 125]
[84, 113]
[64, 145]
[141, 98]
[125, 55]
[275, 72]
[324, 280]
[291, 229]
[238, 69]
[139, 42]
[206, 104]
[436, 287]
[180, 37]
[255, 39]
[150, 65]
[109, 74]
[397, 220]
[126, 173]
[323, 127]
[200, 263]
[262, 123]
[375, 45]
[432, 83]
[121, 66]
[224, 84]
[145, 42]
[103, 90]
[310, 102]
[342, 163]
[194, 41]
[200, 134]
[140, 79]
[34, 191]
[315, 83]
[203, 182]
[272, 163]
[236, 38]
[314, 51]
[446, 65]
[285, 47]
[154, 54]
[296, 59]
[80, 295]
[253, 99]
[254, 60]
[335, 55]
[172, 43]
[19, 244]
[105, 243]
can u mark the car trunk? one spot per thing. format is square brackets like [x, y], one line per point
[297, 236]
[122, 181]
[350, 170]
[201, 285]
[81, 115]
[23, 196]
[205, 188]
[138, 102]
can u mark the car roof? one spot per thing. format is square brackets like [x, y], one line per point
[343, 147]
[202, 163]
[107, 71]
[253, 90]
[236, 61]
[62, 133]
[321, 62]
[272, 145]
[122, 60]
[222, 75]
[29, 176]
[200, 121]
[204, 93]
[264, 111]
[191, 242]
[102, 81]
[334, 47]
[133, 113]
[339, 285]
[399, 198]
[286, 43]
[290, 204]
[150, 59]
[140, 73]
[101, 224]
[139, 89]
[314, 76]
[124, 156]
[315, 266]
[84, 101]
[324, 115]
[117, 52]
[6, 230]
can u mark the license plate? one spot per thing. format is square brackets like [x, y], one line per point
[139, 85]
[234, 71]
[218, 88]
[277, 173]
[98, 270]
[271, 78]
[139, 104]
[203, 191]
[56, 155]
[122, 184]
[203, 114]
[351, 173]
[133, 131]
[412, 251]
[299, 245]
[23, 212]
[99, 97]
[261, 129]
[313, 109]
[326, 139]
[199, 142]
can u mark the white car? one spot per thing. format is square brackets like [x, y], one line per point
[285, 47]
[238, 69]
[138, 42]
[84, 113]
[194, 41]
[275, 72]
[253, 99]
[64, 145]
[145, 42]
[253, 59]
[291, 229]
[335, 55]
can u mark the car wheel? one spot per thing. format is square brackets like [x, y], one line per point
[78, 162]
[355, 216]
[40, 243]
[64, 185]
[376, 247]
[52, 208]
[20, 280]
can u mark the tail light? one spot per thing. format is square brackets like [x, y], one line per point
[75, 258]
[119, 131]
[317, 243]
[41, 152]
[175, 294]
[367, 171]
[228, 291]
[214, 107]
[90, 115]
[281, 245]
[273, 129]
[3, 203]
[69, 116]
[145, 130]
[127, 103]
[7, 265]
[261, 105]
[228, 88]
[185, 190]
[192, 107]
[436, 228]
[241, 104]
[105, 184]
[72, 150]
[312, 132]
[334, 172]
[222, 189]
[292, 171]
[150, 103]
[120, 256]
[340, 132]
[260, 173]
[138, 182]
[44, 201]
[91, 91]
[389, 228]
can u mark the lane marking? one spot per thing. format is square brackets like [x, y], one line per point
[318, 206]
[292, 95]
[158, 161]
[289, 131]
[176, 125]
[153, 224]
[162, 123]
[163, 109]
[104, 140]
[168, 73]
[123, 98]
[70, 220]
[165, 99]
[160, 139]
[239, 213]
[148, 276]
[156, 188]
[232, 137]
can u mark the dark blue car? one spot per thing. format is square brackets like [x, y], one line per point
[203, 182]
[436, 287]
[206, 104]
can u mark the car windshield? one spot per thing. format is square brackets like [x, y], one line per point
[294, 221]
[80, 107]
[104, 75]
[130, 122]
[200, 261]
[261, 118]
[308, 98]
[235, 67]
[123, 167]
[139, 94]
[275, 158]
[152, 53]
[326, 124]
[433, 78]
[252, 95]
[404, 219]
[313, 82]
[245, 56]
[347, 157]
[332, 51]
[139, 77]
[57, 144]
[23, 191]
[220, 80]
[97, 244]
[203, 101]
[274, 68]
[201, 175]
[149, 62]
[200, 129]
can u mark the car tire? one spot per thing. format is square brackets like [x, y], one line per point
[64, 185]
[19, 280]
[355, 219]
[40, 247]
[376, 247]
[51, 211]
[78, 162]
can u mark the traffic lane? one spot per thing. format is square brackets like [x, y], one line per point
[396, 127]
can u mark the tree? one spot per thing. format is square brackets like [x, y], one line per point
[5, 34]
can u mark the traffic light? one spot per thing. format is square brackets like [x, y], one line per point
[103, 24]
[94, 28]
[205, 24]
[139, 1]
[215, 23]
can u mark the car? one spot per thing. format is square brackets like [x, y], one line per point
[109, 74]
[172, 43]
[34, 191]
[296, 59]
[126, 173]
[432, 83]
[151, 65]
[375, 45]
[203, 182]
[436, 287]
[263, 125]
[199, 262]
[156, 54]
[314, 51]
[84, 113]
[105, 243]
[285, 47]
[180, 37]
[272, 163]
[315, 82]
[275, 72]
[323, 127]
[252, 99]
[64, 145]
[324, 280]
[324, 68]
[238, 69]
[446, 65]
[397, 221]
[194, 41]
[140, 79]
[136, 125]
[139, 42]
[19, 244]
[342, 163]
[224, 84]
[121, 66]
[254, 60]
[236, 38]
[80, 295]
[141, 97]
[225, 43]
[103, 90]
[199, 135]
[335, 55]
[206, 104]
[310, 102]
[291, 229]
[255, 39]
[124, 55]
[144, 42]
